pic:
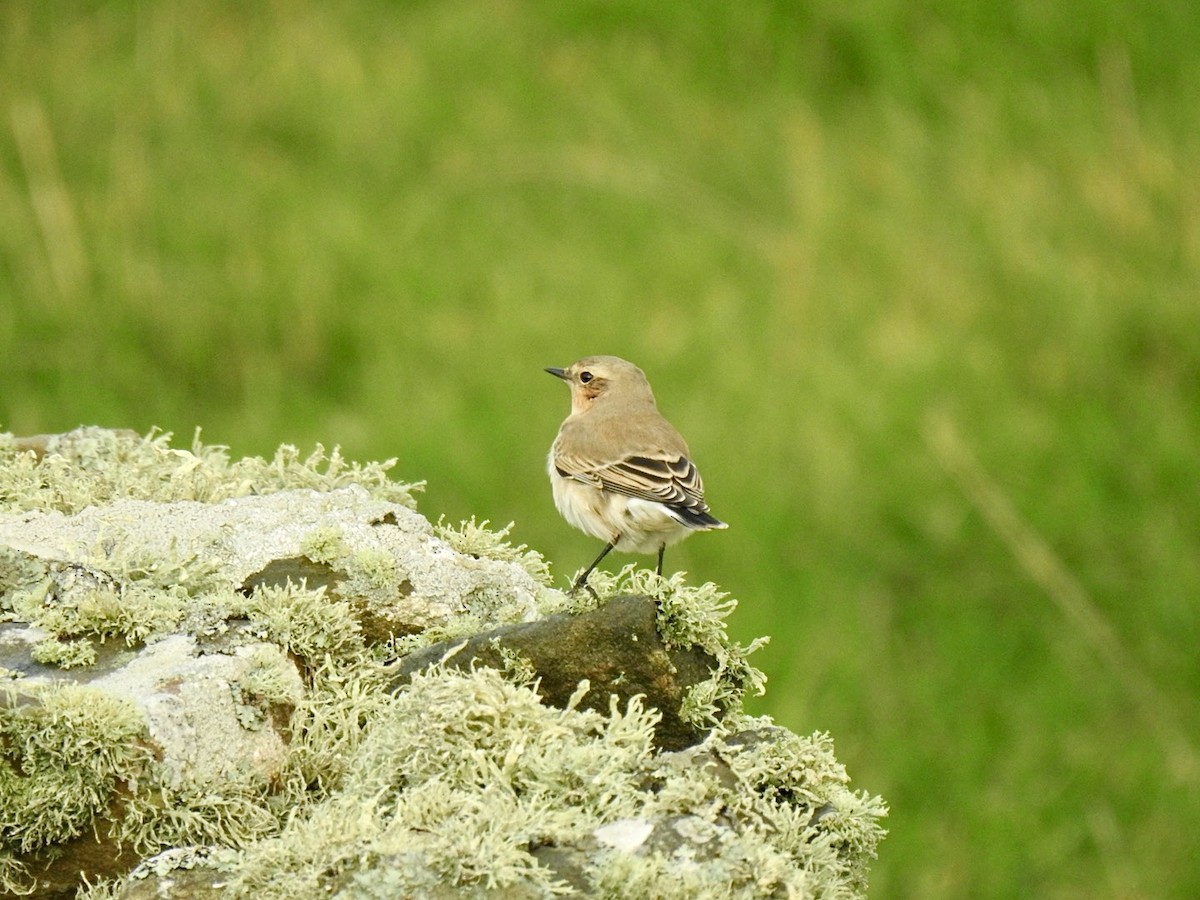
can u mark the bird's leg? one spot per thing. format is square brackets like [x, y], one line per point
[658, 571]
[581, 581]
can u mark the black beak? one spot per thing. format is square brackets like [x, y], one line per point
[557, 373]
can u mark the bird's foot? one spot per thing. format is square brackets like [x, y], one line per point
[582, 584]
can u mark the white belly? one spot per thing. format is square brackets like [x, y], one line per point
[637, 526]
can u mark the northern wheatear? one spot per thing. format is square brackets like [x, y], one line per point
[619, 471]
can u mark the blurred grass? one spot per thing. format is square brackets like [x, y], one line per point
[888, 266]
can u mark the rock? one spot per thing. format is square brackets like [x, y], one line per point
[187, 873]
[403, 578]
[172, 700]
[200, 720]
[616, 648]
[70, 443]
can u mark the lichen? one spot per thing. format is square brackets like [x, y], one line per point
[64, 749]
[64, 654]
[325, 545]
[691, 616]
[234, 813]
[90, 466]
[477, 540]
[452, 783]
[516, 667]
[306, 622]
[15, 879]
[22, 578]
[131, 612]
[268, 685]
[269, 678]
[328, 724]
[464, 774]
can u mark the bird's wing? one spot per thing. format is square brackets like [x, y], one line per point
[672, 480]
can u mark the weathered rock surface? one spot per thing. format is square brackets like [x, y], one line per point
[171, 699]
[415, 579]
[202, 724]
[616, 648]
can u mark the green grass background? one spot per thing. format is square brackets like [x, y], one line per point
[919, 281]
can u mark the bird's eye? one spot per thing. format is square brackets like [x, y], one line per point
[585, 377]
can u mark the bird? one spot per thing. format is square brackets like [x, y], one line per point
[619, 471]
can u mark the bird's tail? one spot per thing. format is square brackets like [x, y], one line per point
[701, 520]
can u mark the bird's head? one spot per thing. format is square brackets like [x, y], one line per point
[604, 379]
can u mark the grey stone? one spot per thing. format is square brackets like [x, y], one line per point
[615, 647]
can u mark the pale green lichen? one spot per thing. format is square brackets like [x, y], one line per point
[268, 683]
[476, 539]
[217, 860]
[170, 570]
[64, 654]
[305, 621]
[446, 786]
[817, 815]
[132, 612]
[482, 611]
[370, 576]
[690, 616]
[234, 813]
[100, 889]
[90, 466]
[325, 545]
[329, 724]
[464, 774]
[517, 667]
[269, 679]
[15, 879]
[820, 835]
[115, 593]
[373, 575]
[65, 749]
[69, 751]
[22, 578]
